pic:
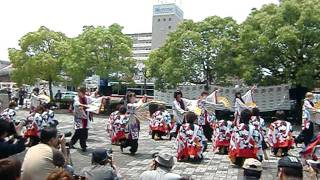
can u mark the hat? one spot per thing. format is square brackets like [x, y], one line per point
[165, 160]
[252, 164]
[100, 155]
[309, 94]
[290, 162]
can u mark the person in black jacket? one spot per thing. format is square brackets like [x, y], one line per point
[7, 148]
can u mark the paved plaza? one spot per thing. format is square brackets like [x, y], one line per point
[213, 167]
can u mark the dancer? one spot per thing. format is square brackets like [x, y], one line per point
[82, 119]
[34, 100]
[222, 131]
[9, 113]
[118, 125]
[258, 123]
[190, 140]
[240, 103]
[242, 143]
[160, 123]
[133, 125]
[279, 135]
[35, 123]
[48, 116]
[259, 133]
[206, 119]
[179, 108]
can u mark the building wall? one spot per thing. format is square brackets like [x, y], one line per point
[166, 18]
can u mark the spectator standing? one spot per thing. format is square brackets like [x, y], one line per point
[22, 95]
[58, 98]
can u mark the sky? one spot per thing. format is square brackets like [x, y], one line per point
[18, 17]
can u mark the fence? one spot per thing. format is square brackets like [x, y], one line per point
[268, 98]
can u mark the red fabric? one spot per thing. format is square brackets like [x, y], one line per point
[244, 153]
[309, 150]
[223, 143]
[119, 136]
[161, 128]
[32, 132]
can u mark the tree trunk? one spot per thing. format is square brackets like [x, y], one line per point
[50, 88]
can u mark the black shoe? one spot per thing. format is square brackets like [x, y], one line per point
[70, 145]
[84, 149]
[121, 147]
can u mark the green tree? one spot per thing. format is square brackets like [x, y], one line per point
[104, 51]
[202, 52]
[280, 44]
[38, 57]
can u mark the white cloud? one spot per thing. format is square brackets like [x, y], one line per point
[17, 17]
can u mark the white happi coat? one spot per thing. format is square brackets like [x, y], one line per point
[178, 111]
[79, 113]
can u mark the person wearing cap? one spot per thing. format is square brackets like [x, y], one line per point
[102, 166]
[252, 169]
[290, 168]
[161, 167]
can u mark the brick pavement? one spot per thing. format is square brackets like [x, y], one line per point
[213, 167]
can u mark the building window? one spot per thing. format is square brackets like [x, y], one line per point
[159, 20]
[164, 19]
[169, 27]
[169, 19]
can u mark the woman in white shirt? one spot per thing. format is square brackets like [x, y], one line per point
[179, 108]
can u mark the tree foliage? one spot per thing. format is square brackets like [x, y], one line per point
[199, 52]
[280, 44]
[99, 50]
[276, 44]
[38, 57]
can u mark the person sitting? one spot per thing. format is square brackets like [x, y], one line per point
[161, 167]
[159, 123]
[10, 169]
[40, 160]
[290, 168]
[242, 143]
[190, 140]
[8, 148]
[102, 166]
[59, 174]
[252, 169]
[279, 135]
[222, 131]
